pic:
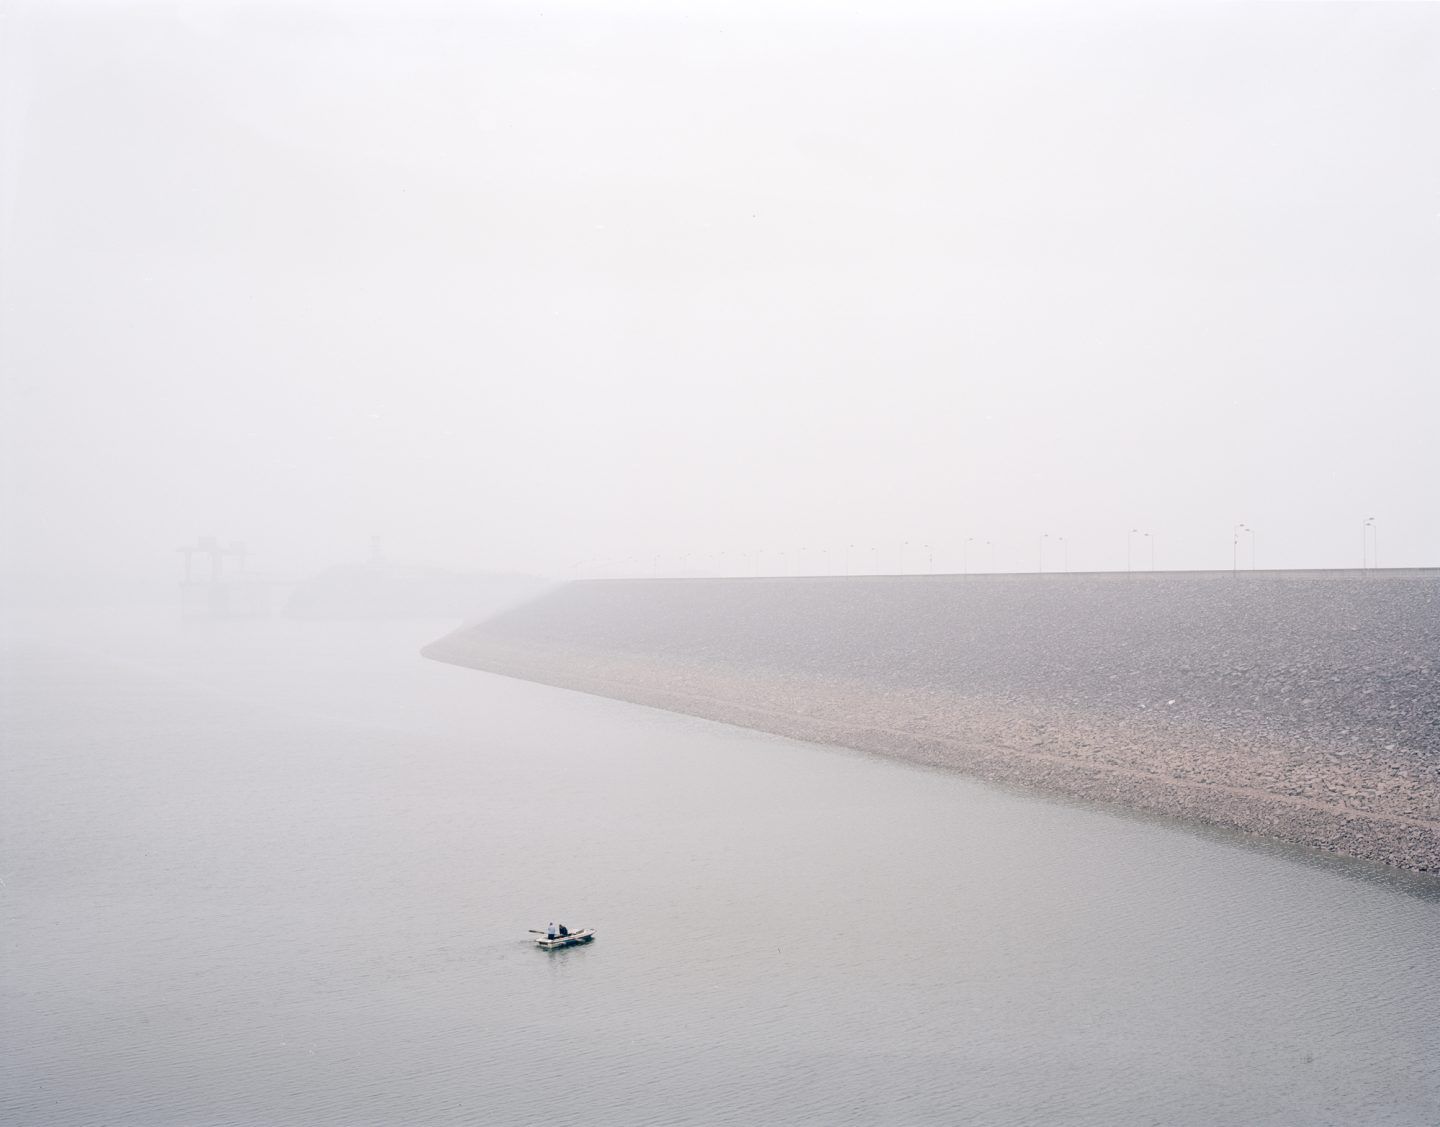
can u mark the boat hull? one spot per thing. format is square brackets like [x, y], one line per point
[574, 939]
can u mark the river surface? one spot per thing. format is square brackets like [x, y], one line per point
[282, 873]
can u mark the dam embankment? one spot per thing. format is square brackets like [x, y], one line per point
[1301, 706]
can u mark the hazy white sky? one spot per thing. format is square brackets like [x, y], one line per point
[518, 286]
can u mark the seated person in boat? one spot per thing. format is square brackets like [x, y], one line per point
[564, 931]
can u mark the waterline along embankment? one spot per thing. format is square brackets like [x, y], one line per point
[1303, 706]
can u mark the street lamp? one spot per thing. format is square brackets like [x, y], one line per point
[1235, 547]
[929, 558]
[1150, 537]
[1129, 541]
[1368, 531]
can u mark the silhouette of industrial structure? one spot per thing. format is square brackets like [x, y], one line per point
[213, 594]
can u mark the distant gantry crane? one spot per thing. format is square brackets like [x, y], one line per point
[210, 546]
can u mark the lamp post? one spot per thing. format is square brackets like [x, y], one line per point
[1129, 542]
[1235, 547]
[1150, 537]
[1367, 533]
[929, 558]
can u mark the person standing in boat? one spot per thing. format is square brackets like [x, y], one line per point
[550, 931]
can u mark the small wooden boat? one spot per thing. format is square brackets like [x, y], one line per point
[574, 939]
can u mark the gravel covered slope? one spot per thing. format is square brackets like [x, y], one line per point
[1266, 699]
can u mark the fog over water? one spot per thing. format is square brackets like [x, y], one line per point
[281, 872]
[330, 329]
[609, 288]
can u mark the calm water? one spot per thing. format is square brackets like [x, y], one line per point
[282, 874]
